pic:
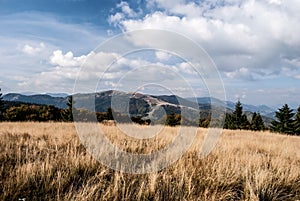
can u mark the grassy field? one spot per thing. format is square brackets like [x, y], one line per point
[46, 161]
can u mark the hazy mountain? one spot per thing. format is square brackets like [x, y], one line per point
[267, 120]
[63, 95]
[262, 109]
[37, 99]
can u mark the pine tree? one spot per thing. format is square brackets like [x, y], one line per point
[237, 120]
[296, 122]
[284, 123]
[257, 124]
[229, 124]
[245, 124]
[237, 115]
[109, 114]
[68, 114]
[173, 119]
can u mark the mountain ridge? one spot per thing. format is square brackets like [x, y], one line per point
[144, 104]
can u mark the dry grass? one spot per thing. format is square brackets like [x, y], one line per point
[46, 161]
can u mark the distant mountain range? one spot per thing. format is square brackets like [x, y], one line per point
[41, 99]
[262, 109]
[143, 104]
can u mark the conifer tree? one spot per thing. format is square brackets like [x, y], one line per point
[228, 124]
[296, 122]
[173, 119]
[257, 123]
[238, 120]
[284, 122]
[245, 124]
[237, 115]
[68, 114]
[109, 114]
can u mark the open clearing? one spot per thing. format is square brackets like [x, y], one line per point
[46, 161]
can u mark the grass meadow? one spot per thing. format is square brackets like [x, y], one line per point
[46, 161]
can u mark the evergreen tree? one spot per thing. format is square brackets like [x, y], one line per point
[284, 123]
[257, 123]
[33, 113]
[68, 114]
[109, 114]
[245, 124]
[296, 122]
[237, 115]
[229, 124]
[173, 119]
[238, 120]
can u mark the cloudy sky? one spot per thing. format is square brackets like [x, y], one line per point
[255, 45]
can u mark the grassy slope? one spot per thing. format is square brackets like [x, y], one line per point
[46, 161]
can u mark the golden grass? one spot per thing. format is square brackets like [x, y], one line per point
[46, 161]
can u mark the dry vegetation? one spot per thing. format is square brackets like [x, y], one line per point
[46, 161]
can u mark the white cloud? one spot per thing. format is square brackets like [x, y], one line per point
[266, 96]
[112, 84]
[126, 9]
[114, 19]
[277, 2]
[59, 59]
[27, 41]
[240, 96]
[186, 68]
[33, 50]
[242, 73]
[106, 70]
[159, 20]
[167, 4]
[256, 34]
[162, 56]
[33, 28]
[297, 76]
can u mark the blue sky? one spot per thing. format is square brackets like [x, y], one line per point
[255, 44]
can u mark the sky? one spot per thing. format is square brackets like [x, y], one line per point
[50, 46]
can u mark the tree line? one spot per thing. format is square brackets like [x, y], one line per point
[16, 111]
[286, 121]
[239, 120]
